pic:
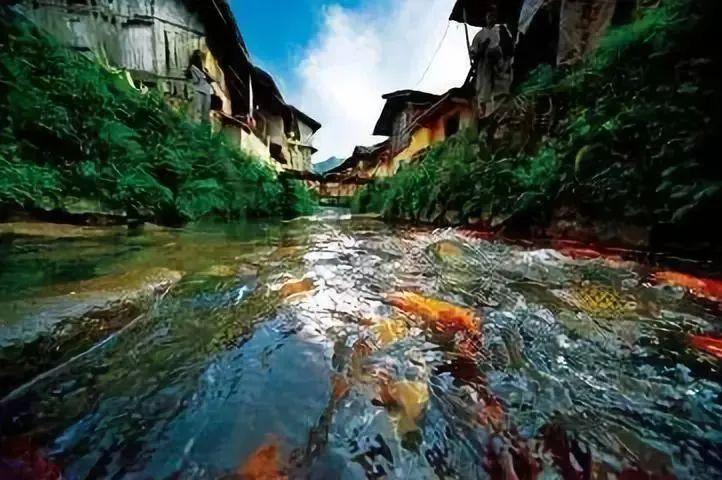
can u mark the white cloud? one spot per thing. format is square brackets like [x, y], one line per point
[361, 53]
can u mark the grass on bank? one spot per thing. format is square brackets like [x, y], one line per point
[634, 138]
[74, 133]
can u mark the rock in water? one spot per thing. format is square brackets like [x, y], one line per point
[446, 249]
[96, 298]
[39, 334]
[56, 230]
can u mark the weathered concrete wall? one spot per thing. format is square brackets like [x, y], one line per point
[300, 156]
[255, 146]
[386, 168]
[245, 140]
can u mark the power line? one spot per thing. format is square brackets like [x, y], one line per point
[438, 48]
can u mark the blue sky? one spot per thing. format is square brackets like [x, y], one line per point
[335, 58]
[277, 31]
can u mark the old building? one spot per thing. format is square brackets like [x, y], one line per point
[400, 109]
[414, 121]
[154, 40]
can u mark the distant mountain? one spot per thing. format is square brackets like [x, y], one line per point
[326, 165]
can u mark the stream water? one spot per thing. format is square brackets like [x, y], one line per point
[274, 351]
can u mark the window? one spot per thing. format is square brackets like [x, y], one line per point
[451, 125]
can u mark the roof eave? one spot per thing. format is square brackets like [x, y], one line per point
[307, 120]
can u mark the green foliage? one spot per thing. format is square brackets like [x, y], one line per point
[635, 137]
[21, 182]
[300, 200]
[73, 130]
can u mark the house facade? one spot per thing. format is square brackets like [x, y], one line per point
[153, 40]
[414, 121]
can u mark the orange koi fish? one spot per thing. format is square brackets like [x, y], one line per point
[263, 464]
[708, 288]
[410, 400]
[442, 317]
[295, 287]
[710, 345]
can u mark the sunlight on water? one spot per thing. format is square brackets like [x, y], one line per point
[341, 347]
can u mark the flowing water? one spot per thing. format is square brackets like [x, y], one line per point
[275, 351]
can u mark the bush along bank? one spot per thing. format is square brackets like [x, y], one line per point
[77, 137]
[630, 138]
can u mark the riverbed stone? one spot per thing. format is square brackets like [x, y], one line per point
[97, 298]
[453, 217]
[41, 334]
[56, 230]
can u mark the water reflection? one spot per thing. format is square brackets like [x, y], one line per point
[340, 347]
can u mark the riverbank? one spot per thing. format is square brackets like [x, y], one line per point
[79, 142]
[622, 149]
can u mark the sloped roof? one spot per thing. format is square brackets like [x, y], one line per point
[226, 42]
[314, 124]
[218, 18]
[395, 103]
[366, 152]
[455, 95]
[268, 93]
[350, 162]
[360, 153]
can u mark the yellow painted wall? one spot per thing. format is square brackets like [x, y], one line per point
[420, 139]
[425, 136]
[335, 189]
[385, 168]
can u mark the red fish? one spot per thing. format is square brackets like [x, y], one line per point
[296, 287]
[263, 464]
[440, 316]
[710, 345]
[708, 288]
